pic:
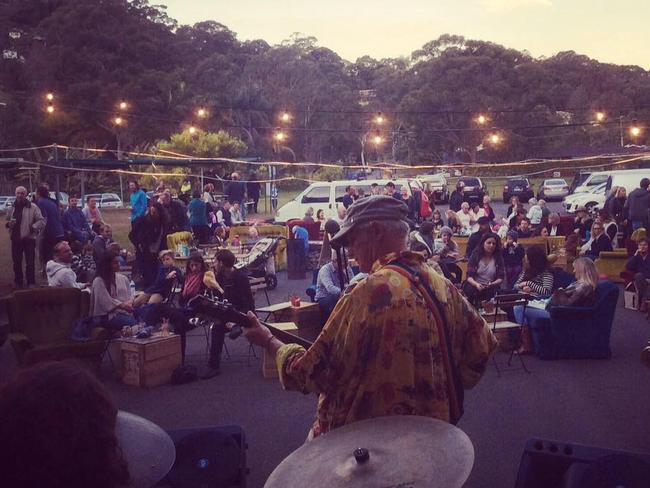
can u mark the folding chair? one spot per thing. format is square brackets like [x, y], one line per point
[509, 300]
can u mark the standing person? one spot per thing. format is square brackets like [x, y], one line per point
[101, 242]
[24, 221]
[485, 270]
[617, 210]
[237, 290]
[92, 214]
[410, 203]
[149, 237]
[389, 188]
[253, 189]
[363, 365]
[138, 200]
[637, 205]
[186, 187]
[75, 223]
[199, 218]
[534, 213]
[348, 198]
[53, 232]
[545, 211]
[208, 188]
[639, 264]
[236, 192]
[487, 209]
[457, 196]
[177, 213]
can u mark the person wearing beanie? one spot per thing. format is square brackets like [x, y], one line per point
[446, 252]
[513, 258]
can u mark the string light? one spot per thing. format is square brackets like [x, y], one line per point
[600, 116]
[202, 113]
[495, 139]
[123, 105]
[118, 120]
[49, 97]
[279, 136]
[380, 119]
[285, 116]
[481, 119]
[635, 131]
[192, 130]
[377, 140]
[50, 109]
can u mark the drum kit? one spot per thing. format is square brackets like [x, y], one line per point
[401, 451]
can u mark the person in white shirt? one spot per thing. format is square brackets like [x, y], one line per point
[466, 219]
[535, 213]
[476, 212]
[58, 270]
[236, 214]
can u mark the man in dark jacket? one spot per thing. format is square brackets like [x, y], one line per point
[236, 192]
[475, 238]
[75, 223]
[178, 219]
[53, 232]
[456, 198]
[253, 190]
[637, 205]
[639, 264]
[237, 290]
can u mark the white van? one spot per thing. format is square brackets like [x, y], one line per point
[592, 181]
[328, 195]
[628, 179]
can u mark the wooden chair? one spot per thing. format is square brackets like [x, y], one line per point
[509, 300]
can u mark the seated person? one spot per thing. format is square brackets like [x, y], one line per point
[536, 277]
[111, 295]
[482, 229]
[524, 230]
[446, 253]
[466, 219]
[300, 232]
[424, 236]
[436, 220]
[328, 286]
[553, 225]
[598, 242]
[101, 242]
[59, 270]
[61, 415]
[116, 250]
[580, 293]
[83, 262]
[236, 215]
[74, 222]
[540, 231]
[161, 288]
[513, 258]
[639, 264]
[452, 222]
[237, 290]
[309, 216]
[485, 270]
[582, 223]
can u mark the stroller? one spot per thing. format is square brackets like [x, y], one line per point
[260, 261]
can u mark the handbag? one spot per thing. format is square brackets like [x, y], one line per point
[456, 390]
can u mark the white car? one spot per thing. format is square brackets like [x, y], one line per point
[105, 200]
[6, 202]
[592, 200]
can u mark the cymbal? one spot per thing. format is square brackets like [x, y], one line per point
[148, 450]
[398, 451]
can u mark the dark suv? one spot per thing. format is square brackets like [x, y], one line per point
[474, 189]
[517, 187]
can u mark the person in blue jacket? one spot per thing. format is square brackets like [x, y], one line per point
[138, 200]
[75, 223]
[53, 232]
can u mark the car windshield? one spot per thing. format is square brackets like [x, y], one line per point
[555, 182]
[518, 182]
[598, 189]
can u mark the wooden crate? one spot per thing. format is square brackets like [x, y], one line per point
[150, 362]
[307, 315]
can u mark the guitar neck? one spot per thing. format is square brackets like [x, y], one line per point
[288, 337]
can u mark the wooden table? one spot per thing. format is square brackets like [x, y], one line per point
[306, 315]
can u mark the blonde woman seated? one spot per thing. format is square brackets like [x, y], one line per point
[580, 293]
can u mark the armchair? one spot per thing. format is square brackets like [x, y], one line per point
[579, 332]
[41, 323]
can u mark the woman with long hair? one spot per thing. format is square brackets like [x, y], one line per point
[111, 295]
[536, 277]
[580, 293]
[485, 270]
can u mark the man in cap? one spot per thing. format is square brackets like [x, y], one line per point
[401, 341]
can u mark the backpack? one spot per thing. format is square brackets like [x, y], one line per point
[184, 374]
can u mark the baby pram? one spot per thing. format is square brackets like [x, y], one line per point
[260, 261]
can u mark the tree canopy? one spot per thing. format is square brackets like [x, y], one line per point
[93, 54]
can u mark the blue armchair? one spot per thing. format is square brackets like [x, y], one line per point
[579, 332]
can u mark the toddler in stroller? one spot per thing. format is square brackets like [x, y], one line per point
[260, 261]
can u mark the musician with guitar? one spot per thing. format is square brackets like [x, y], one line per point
[402, 341]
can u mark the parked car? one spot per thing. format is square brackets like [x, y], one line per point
[475, 190]
[519, 187]
[592, 200]
[6, 202]
[106, 200]
[328, 195]
[556, 188]
[592, 181]
[628, 179]
[438, 185]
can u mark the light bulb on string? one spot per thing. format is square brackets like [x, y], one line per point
[635, 131]
[495, 139]
[191, 130]
[481, 119]
[49, 97]
[118, 120]
[123, 105]
[600, 116]
[285, 116]
[50, 109]
[380, 119]
[202, 113]
[377, 140]
[280, 136]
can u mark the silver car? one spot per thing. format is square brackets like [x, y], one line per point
[557, 189]
[6, 202]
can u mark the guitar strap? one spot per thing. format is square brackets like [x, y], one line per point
[456, 391]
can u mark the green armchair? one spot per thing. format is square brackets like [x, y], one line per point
[41, 322]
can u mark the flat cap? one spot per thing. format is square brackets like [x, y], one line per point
[369, 209]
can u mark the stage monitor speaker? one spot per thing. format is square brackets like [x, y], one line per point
[211, 457]
[552, 464]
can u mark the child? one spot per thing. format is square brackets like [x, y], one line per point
[83, 262]
[115, 249]
[513, 258]
[167, 276]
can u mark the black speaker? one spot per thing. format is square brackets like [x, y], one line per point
[211, 457]
[552, 464]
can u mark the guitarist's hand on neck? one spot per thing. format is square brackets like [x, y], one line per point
[260, 335]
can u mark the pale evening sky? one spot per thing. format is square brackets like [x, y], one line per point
[607, 30]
